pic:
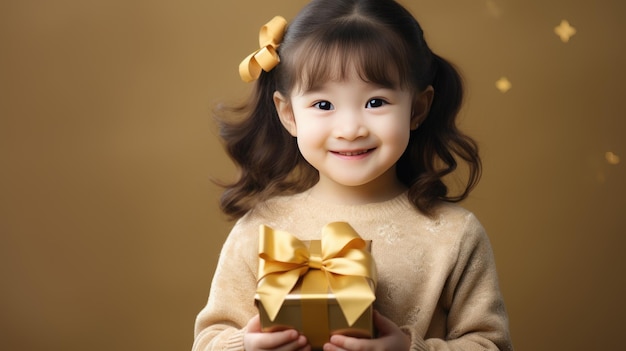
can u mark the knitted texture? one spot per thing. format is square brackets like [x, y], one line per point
[436, 275]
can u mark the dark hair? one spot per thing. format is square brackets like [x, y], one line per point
[366, 35]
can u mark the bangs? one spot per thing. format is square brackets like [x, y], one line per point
[350, 47]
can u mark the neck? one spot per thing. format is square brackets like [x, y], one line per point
[329, 191]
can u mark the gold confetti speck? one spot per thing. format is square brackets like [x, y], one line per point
[494, 9]
[565, 31]
[503, 84]
[611, 158]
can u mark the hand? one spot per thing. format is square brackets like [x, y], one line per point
[284, 340]
[390, 337]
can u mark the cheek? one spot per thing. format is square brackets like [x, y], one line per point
[397, 133]
[310, 135]
[396, 139]
[401, 140]
[401, 132]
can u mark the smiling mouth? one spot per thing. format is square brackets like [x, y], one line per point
[353, 153]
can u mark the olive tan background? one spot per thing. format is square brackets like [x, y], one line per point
[109, 226]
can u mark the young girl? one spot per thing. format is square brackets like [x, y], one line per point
[353, 119]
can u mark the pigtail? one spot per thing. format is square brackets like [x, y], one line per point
[439, 144]
[265, 153]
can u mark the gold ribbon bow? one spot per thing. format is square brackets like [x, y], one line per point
[266, 57]
[347, 266]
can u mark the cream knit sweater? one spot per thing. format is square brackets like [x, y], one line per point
[436, 276]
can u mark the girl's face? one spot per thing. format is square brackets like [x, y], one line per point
[353, 132]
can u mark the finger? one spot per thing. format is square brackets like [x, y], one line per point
[329, 346]
[286, 340]
[283, 340]
[383, 324]
[254, 324]
[302, 344]
[306, 348]
[342, 343]
[299, 343]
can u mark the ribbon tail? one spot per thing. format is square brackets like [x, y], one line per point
[273, 289]
[282, 262]
[354, 295]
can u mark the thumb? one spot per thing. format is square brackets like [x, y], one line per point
[383, 324]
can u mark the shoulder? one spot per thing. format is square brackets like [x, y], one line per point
[458, 221]
[268, 212]
[456, 214]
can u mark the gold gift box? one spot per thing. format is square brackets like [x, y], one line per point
[316, 315]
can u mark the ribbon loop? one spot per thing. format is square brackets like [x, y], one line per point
[348, 266]
[272, 32]
[266, 57]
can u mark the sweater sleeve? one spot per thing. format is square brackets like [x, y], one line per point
[220, 324]
[476, 316]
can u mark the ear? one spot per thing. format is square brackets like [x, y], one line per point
[421, 106]
[285, 113]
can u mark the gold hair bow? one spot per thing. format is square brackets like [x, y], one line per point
[266, 58]
[346, 265]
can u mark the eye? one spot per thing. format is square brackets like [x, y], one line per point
[373, 103]
[324, 105]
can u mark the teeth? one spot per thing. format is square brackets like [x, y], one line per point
[353, 153]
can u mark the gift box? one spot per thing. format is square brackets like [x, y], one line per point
[318, 287]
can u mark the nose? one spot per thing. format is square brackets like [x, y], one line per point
[349, 125]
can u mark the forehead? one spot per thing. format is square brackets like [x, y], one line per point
[343, 65]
